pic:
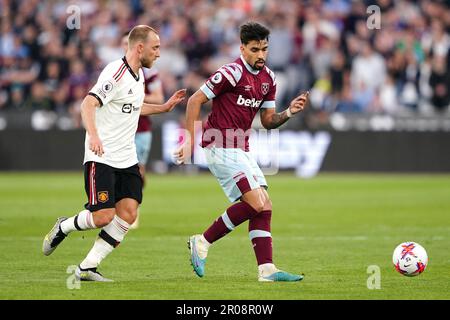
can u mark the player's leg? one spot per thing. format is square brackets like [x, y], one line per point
[199, 244]
[128, 195]
[250, 205]
[259, 229]
[235, 177]
[99, 187]
[128, 191]
[260, 235]
[108, 239]
[235, 174]
[87, 269]
[143, 146]
[127, 210]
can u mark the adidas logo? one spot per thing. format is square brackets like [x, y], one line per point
[130, 92]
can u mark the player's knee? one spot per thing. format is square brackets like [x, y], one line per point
[255, 200]
[132, 215]
[129, 215]
[267, 205]
[103, 217]
[257, 205]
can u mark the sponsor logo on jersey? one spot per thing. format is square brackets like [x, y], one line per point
[264, 88]
[241, 101]
[126, 108]
[102, 196]
[130, 91]
[248, 87]
[217, 78]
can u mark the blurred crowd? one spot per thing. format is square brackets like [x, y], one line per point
[380, 56]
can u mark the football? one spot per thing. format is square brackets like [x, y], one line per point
[410, 259]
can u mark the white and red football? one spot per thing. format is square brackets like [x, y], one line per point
[410, 259]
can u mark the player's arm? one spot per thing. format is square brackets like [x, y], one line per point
[272, 120]
[183, 153]
[193, 107]
[220, 82]
[150, 108]
[88, 107]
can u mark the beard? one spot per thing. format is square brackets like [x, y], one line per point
[256, 67]
[146, 63]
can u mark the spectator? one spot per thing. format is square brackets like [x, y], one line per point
[440, 83]
[324, 44]
[39, 98]
[17, 99]
[368, 69]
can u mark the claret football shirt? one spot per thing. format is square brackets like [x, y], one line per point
[237, 91]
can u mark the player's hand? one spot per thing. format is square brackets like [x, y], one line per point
[182, 154]
[96, 146]
[175, 99]
[299, 103]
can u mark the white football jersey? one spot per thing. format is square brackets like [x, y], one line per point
[121, 94]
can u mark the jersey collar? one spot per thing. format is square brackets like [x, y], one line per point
[136, 77]
[249, 67]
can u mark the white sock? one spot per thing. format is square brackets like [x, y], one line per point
[116, 229]
[98, 252]
[266, 269]
[84, 220]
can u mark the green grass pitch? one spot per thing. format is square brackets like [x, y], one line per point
[332, 228]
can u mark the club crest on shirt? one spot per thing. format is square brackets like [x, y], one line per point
[102, 196]
[264, 88]
[217, 78]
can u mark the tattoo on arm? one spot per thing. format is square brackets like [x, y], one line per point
[277, 120]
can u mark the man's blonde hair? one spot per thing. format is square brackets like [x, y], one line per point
[139, 34]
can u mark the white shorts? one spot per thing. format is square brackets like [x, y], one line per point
[236, 171]
[143, 146]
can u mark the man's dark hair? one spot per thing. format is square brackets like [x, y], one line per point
[253, 31]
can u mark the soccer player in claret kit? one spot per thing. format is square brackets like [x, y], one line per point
[113, 184]
[238, 91]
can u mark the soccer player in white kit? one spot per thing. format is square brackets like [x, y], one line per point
[153, 94]
[113, 184]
